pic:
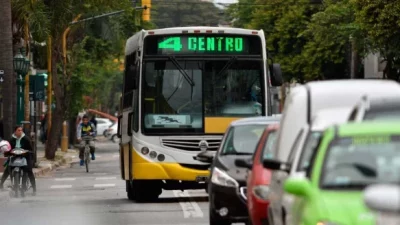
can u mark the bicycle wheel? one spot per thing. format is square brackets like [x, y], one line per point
[87, 160]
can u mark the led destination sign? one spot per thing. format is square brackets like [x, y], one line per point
[203, 44]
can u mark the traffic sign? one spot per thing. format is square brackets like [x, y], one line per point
[36, 88]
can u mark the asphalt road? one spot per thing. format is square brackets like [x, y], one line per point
[72, 196]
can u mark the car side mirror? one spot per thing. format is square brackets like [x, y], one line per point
[276, 74]
[383, 198]
[298, 186]
[206, 157]
[244, 163]
[274, 164]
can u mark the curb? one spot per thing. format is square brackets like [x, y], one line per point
[46, 166]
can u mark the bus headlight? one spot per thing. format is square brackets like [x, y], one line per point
[161, 157]
[153, 154]
[145, 150]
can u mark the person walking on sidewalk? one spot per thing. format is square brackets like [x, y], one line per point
[86, 128]
[20, 140]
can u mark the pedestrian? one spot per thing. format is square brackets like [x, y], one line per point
[43, 129]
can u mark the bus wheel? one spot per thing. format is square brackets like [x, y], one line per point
[144, 190]
[129, 191]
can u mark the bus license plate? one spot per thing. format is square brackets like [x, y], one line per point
[201, 178]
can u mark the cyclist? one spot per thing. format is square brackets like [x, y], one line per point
[20, 140]
[86, 128]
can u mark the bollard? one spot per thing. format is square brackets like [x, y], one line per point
[64, 138]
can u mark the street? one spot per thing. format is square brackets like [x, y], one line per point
[72, 196]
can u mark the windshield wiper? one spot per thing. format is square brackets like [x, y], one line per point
[227, 65]
[345, 186]
[182, 71]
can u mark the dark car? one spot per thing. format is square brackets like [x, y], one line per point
[227, 182]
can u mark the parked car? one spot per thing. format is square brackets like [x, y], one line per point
[349, 158]
[307, 140]
[304, 102]
[227, 183]
[112, 133]
[102, 125]
[258, 178]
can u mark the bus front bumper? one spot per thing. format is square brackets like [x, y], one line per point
[146, 170]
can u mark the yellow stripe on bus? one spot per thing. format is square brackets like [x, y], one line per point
[218, 125]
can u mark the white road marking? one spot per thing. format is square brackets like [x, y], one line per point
[65, 179]
[60, 186]
[104, 185]
[74, 156]
[115, 156]
[100, 173]
[106, 178]
[190, 209]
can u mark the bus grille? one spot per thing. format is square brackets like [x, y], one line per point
[191, 144]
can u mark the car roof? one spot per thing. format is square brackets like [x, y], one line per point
[329, 117]
[320, 91]
[257, 120]
[369, 128]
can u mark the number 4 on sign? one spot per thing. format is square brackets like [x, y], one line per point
[171, 43]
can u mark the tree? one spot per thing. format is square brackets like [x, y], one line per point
[180, 13]
[330, 35]
[283, 22]
[380, 21]
[61, 13]
[6, 64]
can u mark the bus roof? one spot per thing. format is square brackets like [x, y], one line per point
[191, 29]
[135, 41]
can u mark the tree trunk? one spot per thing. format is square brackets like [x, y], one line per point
[58, 114]
[6, 64]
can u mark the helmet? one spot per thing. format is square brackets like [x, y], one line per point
[4, 146]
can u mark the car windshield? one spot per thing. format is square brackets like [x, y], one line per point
[355, 162]
[269, 144]
[383, 114]
[178, 94]
[308, 149]
[242, 140]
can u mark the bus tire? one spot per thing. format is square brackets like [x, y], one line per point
[144, 190]
[130, 191]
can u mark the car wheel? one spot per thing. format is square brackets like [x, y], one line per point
[115, 138]
[105, 133]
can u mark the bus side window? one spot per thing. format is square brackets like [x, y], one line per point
[130, 80]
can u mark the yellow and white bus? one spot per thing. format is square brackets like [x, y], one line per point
[182, 88]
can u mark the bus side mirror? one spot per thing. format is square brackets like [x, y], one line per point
[276, 74]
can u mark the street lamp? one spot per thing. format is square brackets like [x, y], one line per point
[21, 67]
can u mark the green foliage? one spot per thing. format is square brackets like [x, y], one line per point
[329, 35]
[380, 19]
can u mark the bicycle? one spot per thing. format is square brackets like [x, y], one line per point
[86, 154]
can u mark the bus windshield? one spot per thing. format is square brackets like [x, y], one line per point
[178, 94]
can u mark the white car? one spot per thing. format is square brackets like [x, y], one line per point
[112, 133]
[102, 125]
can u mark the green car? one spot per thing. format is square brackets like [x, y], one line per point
[349, 158]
